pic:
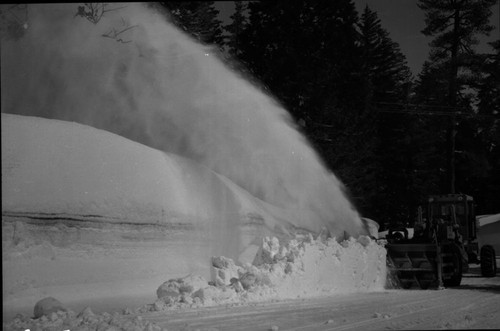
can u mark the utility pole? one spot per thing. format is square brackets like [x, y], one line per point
[452, 97]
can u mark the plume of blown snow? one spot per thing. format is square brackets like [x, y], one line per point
[134, 74]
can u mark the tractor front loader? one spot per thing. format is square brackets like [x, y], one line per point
[444, 242]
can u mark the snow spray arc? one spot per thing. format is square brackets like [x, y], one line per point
[160, 88]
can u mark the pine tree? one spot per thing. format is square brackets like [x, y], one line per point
[384, 65]
[236, 28]
[387, 82]
[303, 52]
[430, 130]
[488, 179]
[454, 24]
[198, 18]
[489, 87]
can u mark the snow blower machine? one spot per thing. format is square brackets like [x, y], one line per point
[443, 244]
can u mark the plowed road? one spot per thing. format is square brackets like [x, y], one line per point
[476, 304]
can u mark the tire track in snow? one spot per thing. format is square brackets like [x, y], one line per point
[444, 311]
[311, 313]
[397, 309]
[482, 309]
[371, 320]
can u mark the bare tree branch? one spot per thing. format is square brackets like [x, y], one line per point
[93, 12]
[114, 34]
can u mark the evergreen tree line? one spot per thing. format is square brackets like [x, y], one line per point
[392, 138]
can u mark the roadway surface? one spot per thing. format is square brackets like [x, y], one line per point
[475, 304]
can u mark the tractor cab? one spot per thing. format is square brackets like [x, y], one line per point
[453, 219]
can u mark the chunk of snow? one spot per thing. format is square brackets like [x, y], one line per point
[176, 287]
[48, 306]
[223, 270]
[372, 226]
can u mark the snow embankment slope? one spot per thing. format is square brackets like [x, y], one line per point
[55, 167]
[88, 214]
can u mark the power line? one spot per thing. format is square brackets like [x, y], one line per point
[417, 105]
[413, 109]
[436, 113]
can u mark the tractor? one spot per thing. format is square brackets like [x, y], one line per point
[443, 244]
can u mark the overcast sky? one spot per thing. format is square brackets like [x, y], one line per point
[404, 21]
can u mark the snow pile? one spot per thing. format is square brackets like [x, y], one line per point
[88, 214]
[300, 268]
[306, 268]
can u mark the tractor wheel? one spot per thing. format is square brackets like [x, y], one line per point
[455, 258]
[488, 261]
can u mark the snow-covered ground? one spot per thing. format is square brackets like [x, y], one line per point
[472, 306]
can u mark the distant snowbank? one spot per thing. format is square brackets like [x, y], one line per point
[488, 219]
[489, 231]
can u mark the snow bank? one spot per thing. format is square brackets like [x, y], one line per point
[56, 170]
[300, 268]
[56, 167]
[489, 231]
[87, 214]
[487, 219]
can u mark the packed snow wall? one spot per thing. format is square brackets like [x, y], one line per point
[57, 170]
[89, 214]
[132, 73]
